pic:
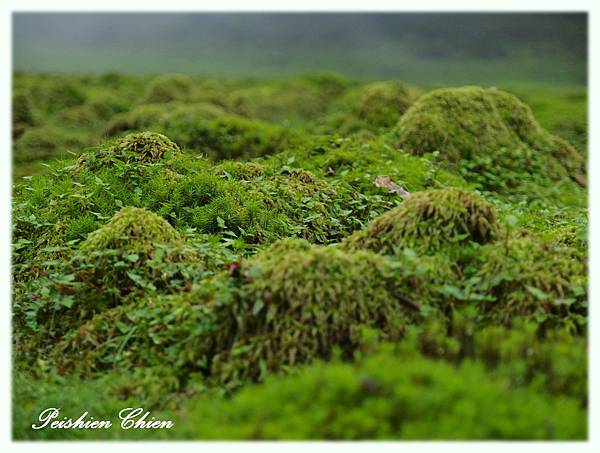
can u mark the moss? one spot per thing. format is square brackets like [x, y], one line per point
[428, 221]
[132, 230]
[44, 142]
[57, 93]
[386, 396]
[167, 88]
[288, 305]
[163, 117]
[529, 276]
[305, 99]
[470, 122]
[359, 162]
[231, 136]
[23, 114]
[143, 147]
[373, 107]
[240, 170]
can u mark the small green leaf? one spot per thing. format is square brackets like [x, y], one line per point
[538, 293]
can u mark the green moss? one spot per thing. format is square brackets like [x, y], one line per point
[23, 114]
[230, 137]
[132, 230]
[373, 107]
[167, 88]
[143, 147]
[288, 305]
[359, 162]
[44, 142]
[428, 221]
[531, 277]
[57, 93]
[164, 117]
[240, 170]
[387, 397]
[471, 122]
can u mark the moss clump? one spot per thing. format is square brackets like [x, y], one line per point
[132, 230]
[167, 88]
[164, 117]
[240, 170]
[468, 122]
[55, 94]
[428, 221]
[129, 241]
[231, 136]
[142, 147]
[23, 114]
[305, 301]
[44, 142]
[382, 104]
[305, 99]
[528, 276]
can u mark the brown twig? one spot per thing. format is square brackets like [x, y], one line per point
[386, 183]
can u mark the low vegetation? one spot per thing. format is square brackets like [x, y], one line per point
[196, 247]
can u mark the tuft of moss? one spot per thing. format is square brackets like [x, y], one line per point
[44, 142]
[23, 114]
[143, 147]
[427, 222]
[167, 88]
[164, 117]
[531, 277]
[230, 136]
[373, 107]
[132, 230]
[471, 122]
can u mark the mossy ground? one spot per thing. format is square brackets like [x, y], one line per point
[192, 239]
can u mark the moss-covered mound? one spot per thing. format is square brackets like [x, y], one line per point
[134, 249]
[161, 116]
[45, 141]
[427, 221]
[230, 136]
[305, 99]
[23, 114]
[529, 276]
[470, 122]
[167, 88]
[290, 304]
[132, 230]
[383, 103]
[144, 147]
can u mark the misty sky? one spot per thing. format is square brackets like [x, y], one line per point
[363, 45]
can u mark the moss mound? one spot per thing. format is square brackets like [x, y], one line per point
[470, 122]
[167, 88]
[382, 104]
[163, 117]
[132, 230]
[428, 221]
[142, 147]
[529, 276]
[231, 136]
[290, 304]
[23, 114]
[131, 248]
[43, 142]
